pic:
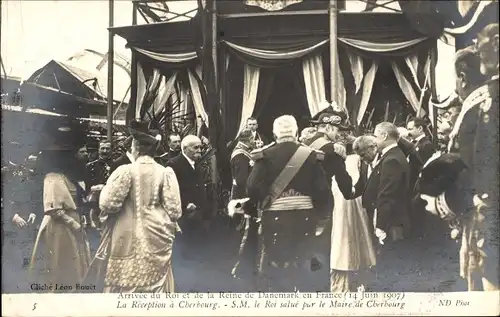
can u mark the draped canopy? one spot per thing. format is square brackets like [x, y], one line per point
[251, 47]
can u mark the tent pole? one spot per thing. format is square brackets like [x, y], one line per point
[132, 105]
[213, 161]
[433, 93]
[214, 42]
[332, 12]
[110, 71]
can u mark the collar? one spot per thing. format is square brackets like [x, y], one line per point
[130, 157]
[418, 138]
[168, 152]
[145, 159]
[104, 159]
[473, 99]
[433, 157]
[387, 148]
[444, 211]
[242, 146]
[190, 161]
[287, 139]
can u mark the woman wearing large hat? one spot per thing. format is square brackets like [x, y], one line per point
[61, 254]
[140, 205]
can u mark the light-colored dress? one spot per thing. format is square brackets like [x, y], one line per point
[352, 248]
[61, 254]
[142, 203]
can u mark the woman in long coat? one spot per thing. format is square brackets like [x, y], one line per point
[140, 204]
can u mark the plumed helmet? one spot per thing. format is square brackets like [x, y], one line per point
[334, 117]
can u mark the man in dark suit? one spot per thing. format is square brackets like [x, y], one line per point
[192, 242]
[386, 192]
[423, 148]
[174, 149]
[290, 188]
[190, 183]
[388, 185]
[421, 151]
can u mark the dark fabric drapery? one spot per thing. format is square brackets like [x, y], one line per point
[266, 85]
[234, 98]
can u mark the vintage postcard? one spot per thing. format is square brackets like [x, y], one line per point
[250, 157]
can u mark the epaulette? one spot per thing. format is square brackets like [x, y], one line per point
[90, 164]
[258, 154]
[267, 146]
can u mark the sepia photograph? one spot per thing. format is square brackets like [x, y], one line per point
[250, 157]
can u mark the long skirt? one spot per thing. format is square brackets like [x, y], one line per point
[164, 285]
[289, 260]
[352, 251]
[61, 255]
[99, 268]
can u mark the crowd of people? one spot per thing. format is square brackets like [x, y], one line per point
[320, 209]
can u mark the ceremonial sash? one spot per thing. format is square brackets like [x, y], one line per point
[286, 175]
[240, 151]
[474, 99]
[319, 143]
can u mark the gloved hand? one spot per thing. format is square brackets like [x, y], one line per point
[19, 221]
[381, 235]
[31, 218]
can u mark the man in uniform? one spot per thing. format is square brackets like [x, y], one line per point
[174, 149]
[21, 206]
[241, 167]
[241, 163]
[101, 168]
[329, 123]
[484, 165]
[472, 91]
[288, 184]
